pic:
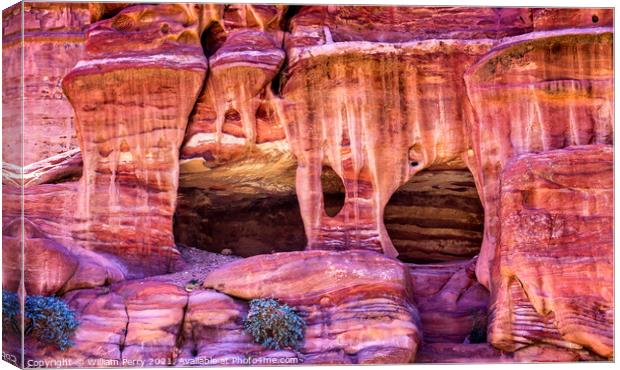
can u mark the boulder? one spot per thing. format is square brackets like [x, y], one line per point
[357, 304]
[51, 268]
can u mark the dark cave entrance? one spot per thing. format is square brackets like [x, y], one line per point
[436, 216]
[333, 191]
[246, 226]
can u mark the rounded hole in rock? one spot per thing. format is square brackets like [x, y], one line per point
[436, 216]
[333, 191]
[594, 18]
[212, 38]
[415, 155]
[232, 115]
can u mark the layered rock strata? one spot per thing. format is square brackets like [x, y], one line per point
[554, 264]
[53, 42]
[372, 119]
[132, 95]
[532, 93]
[351, 316]
[436, 216]
[51, 268]
[363, 127]
[452, 304]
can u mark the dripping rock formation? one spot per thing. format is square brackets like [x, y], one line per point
[422, 184]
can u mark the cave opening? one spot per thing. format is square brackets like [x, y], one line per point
[435, 217]
[244, 225]
[333, 191]
[212, 38]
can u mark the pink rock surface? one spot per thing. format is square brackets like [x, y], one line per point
[132, 100]
[182, 113]
[364, 129]
[554, 270]
[332, 289]
[450, 300]
[351, 316]
[48, 265]
[529, 99]
[557, 18]
[53, 43]
[315, 24]
[51, 231]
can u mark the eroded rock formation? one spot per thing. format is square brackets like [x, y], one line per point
[351, 316]
[264, 128]
[554, 264]
[532, 93]
[49, 267]
[54, 35]
[132, 94]
[374, 131]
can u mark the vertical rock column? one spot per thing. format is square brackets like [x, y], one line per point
[554, 264]
[132, 95]
[533, 93]
[373, 113]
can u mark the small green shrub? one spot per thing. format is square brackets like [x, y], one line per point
[274, 325]
[48, 319]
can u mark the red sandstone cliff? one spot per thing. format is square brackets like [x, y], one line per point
[415, 132]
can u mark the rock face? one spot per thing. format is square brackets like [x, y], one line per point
[47, 266]
[235, 154]
[532, 93]
[132, 94]
[360, 126]
[144, 320]
[53, 43]
[50, 268]
[554, 266]
[351, 316]
[450, 301]
[436, 216]
[475, 144]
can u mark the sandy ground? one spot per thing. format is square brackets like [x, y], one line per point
[198, 263]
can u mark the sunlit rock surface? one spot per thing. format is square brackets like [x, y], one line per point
[363, 126]
[357, 304]
[51, 268]
[53, 42]
[340, 133]
[132, 94]
[554, 274]
[533, 93]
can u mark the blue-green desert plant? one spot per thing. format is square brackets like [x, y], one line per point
[274, 325]
[10, 312]
[47, 319]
